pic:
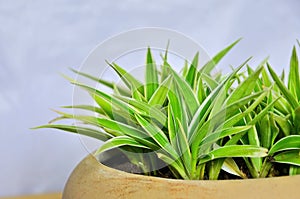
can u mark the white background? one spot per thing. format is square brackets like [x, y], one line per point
[40, 39]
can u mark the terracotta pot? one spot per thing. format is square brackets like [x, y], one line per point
[93, 180]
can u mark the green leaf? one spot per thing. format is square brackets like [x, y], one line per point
[175, 106]
[203, 131]
[215, 168]
[185, 68]
[212, 84]
[283, 123]
[145, 109]
[217, 135]
[151, 76]
[172, 130]
[294, 169]
[247, 86]
[175, 164]
[104, 82]
[294, 79]
[286, 143]
[234, 151]
[135, 93]
[114, 126]
[160, 95]
[297, 120]
[112, 110]
[239, 116]
[113, 100]
[98, 134]
[191, 75]
[209, 66]
[200, 90]
[204, 109]
[177, 118]
[184, 116]
[94, 109]
[127, 78]
[184, 148]
[266, 131]
[253, 139]
[262, 113]
[231, 117]
[265, 78]
[111, 85]
[128, 105]
[105, 105]
[118, 142]
[231, 167]
[127, 130]
[218, 104]
[200, 117]
[288, 95]
[186, 91]
[282, 105]
[289, 157]
[164, 68]
[158, 135]
[274, 129]
[235, 139]
[252, 133]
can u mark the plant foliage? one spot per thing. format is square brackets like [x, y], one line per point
[246, 123]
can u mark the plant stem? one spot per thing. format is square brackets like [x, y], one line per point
[200, 171]
[294, 170]
[266, 167]
[251, 169]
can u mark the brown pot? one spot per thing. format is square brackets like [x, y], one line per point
[93, 180]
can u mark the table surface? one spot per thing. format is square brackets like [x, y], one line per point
[46, 196]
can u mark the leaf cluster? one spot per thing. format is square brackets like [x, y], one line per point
[199, 124]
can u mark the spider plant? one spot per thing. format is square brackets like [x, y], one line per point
[196, 122]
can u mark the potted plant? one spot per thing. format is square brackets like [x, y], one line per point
[191, 134]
